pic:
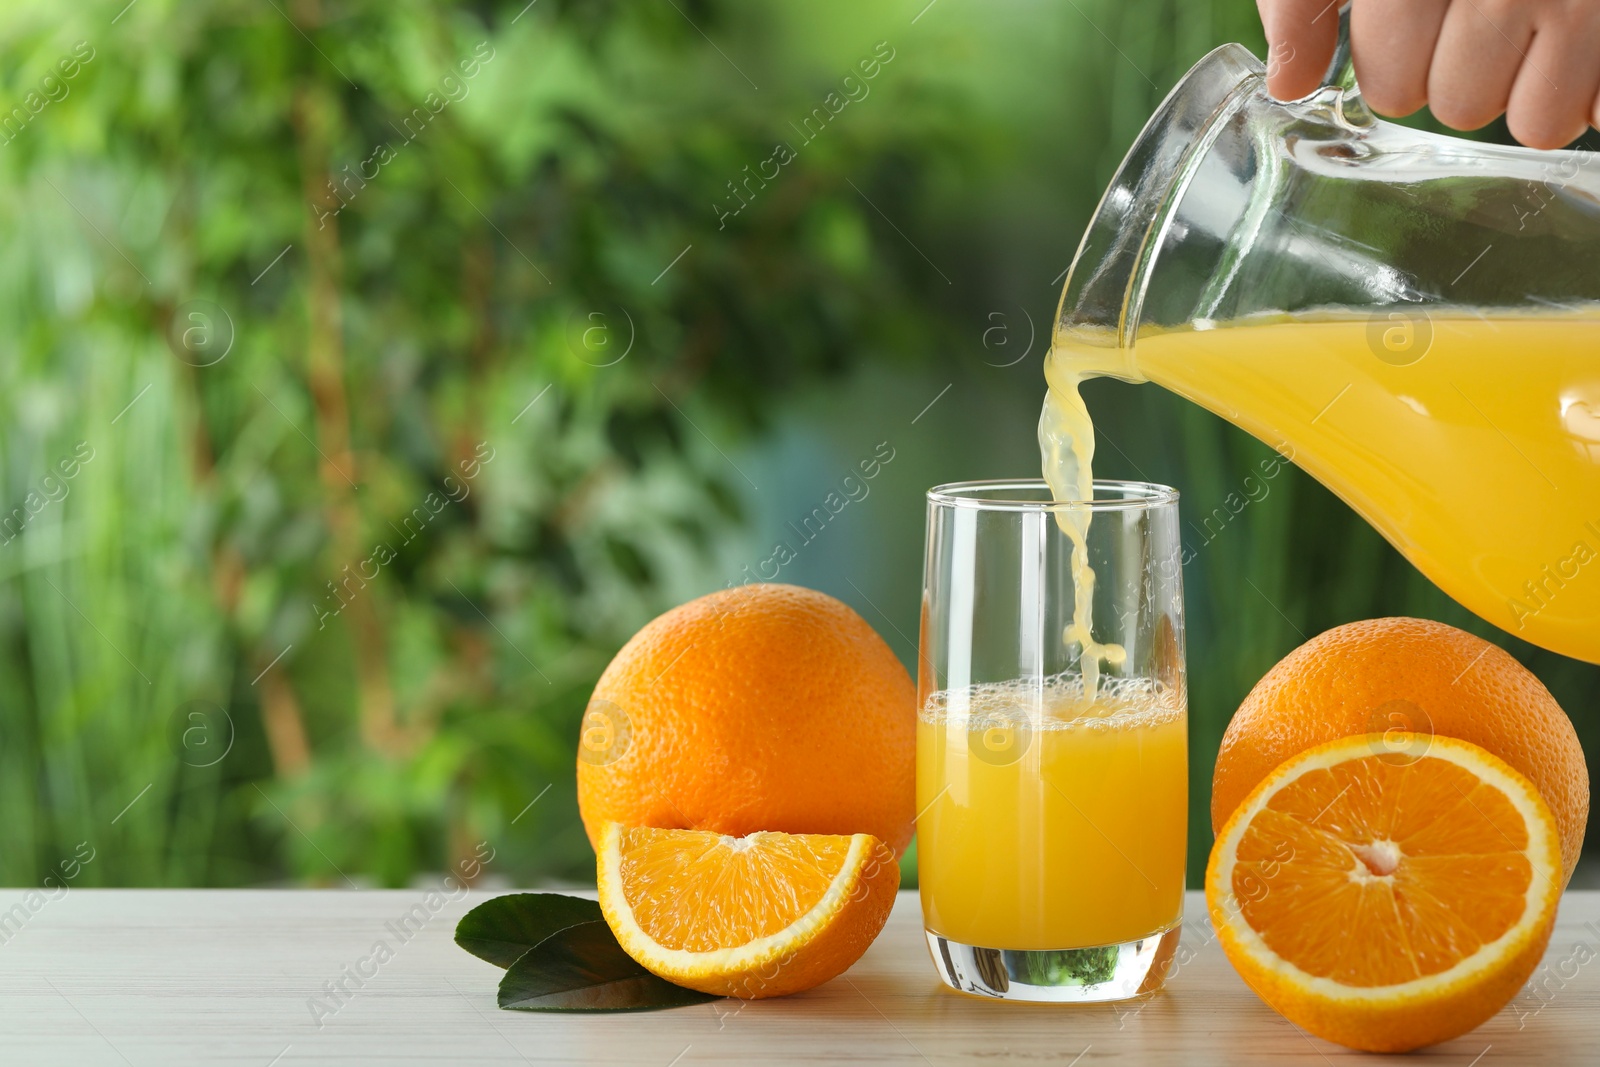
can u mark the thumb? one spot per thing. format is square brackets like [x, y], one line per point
[1301, 35]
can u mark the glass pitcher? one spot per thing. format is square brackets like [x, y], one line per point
[1413, 319]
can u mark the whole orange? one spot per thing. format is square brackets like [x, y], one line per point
[763, 707]
[1406, 679]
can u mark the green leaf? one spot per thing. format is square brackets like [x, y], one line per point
[582, 968]
[502, 929]
[561, 956]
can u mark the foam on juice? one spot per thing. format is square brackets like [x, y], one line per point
[1055, 702]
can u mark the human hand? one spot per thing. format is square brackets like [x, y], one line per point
[1535, 61]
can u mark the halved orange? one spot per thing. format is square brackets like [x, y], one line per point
[755, 916]
[1387, 901]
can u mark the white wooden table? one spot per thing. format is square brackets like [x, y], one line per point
[161, 977]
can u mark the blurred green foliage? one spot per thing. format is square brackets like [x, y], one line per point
[423, 357]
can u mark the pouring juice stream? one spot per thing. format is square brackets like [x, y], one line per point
[1066, 447]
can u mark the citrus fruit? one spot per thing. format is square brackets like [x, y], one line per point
[757, 916]
[764, 707]
[1406, 679]
[1385, 902]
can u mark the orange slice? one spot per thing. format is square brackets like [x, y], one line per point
[1387, 901]
[755, 916]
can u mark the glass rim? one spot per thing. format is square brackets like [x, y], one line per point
[1137, 496]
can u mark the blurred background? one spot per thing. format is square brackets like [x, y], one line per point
[408, 357]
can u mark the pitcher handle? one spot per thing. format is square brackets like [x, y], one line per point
[1341, 75]
[1341, 69]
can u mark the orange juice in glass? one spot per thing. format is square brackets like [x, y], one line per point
[1052, 774]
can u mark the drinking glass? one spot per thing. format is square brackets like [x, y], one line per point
[1051, 818]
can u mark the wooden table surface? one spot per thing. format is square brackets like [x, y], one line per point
[135, 977]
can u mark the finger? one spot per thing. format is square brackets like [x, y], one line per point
[1301, 35]
[1481, 46]
[1392, 42]
[1552, 99]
